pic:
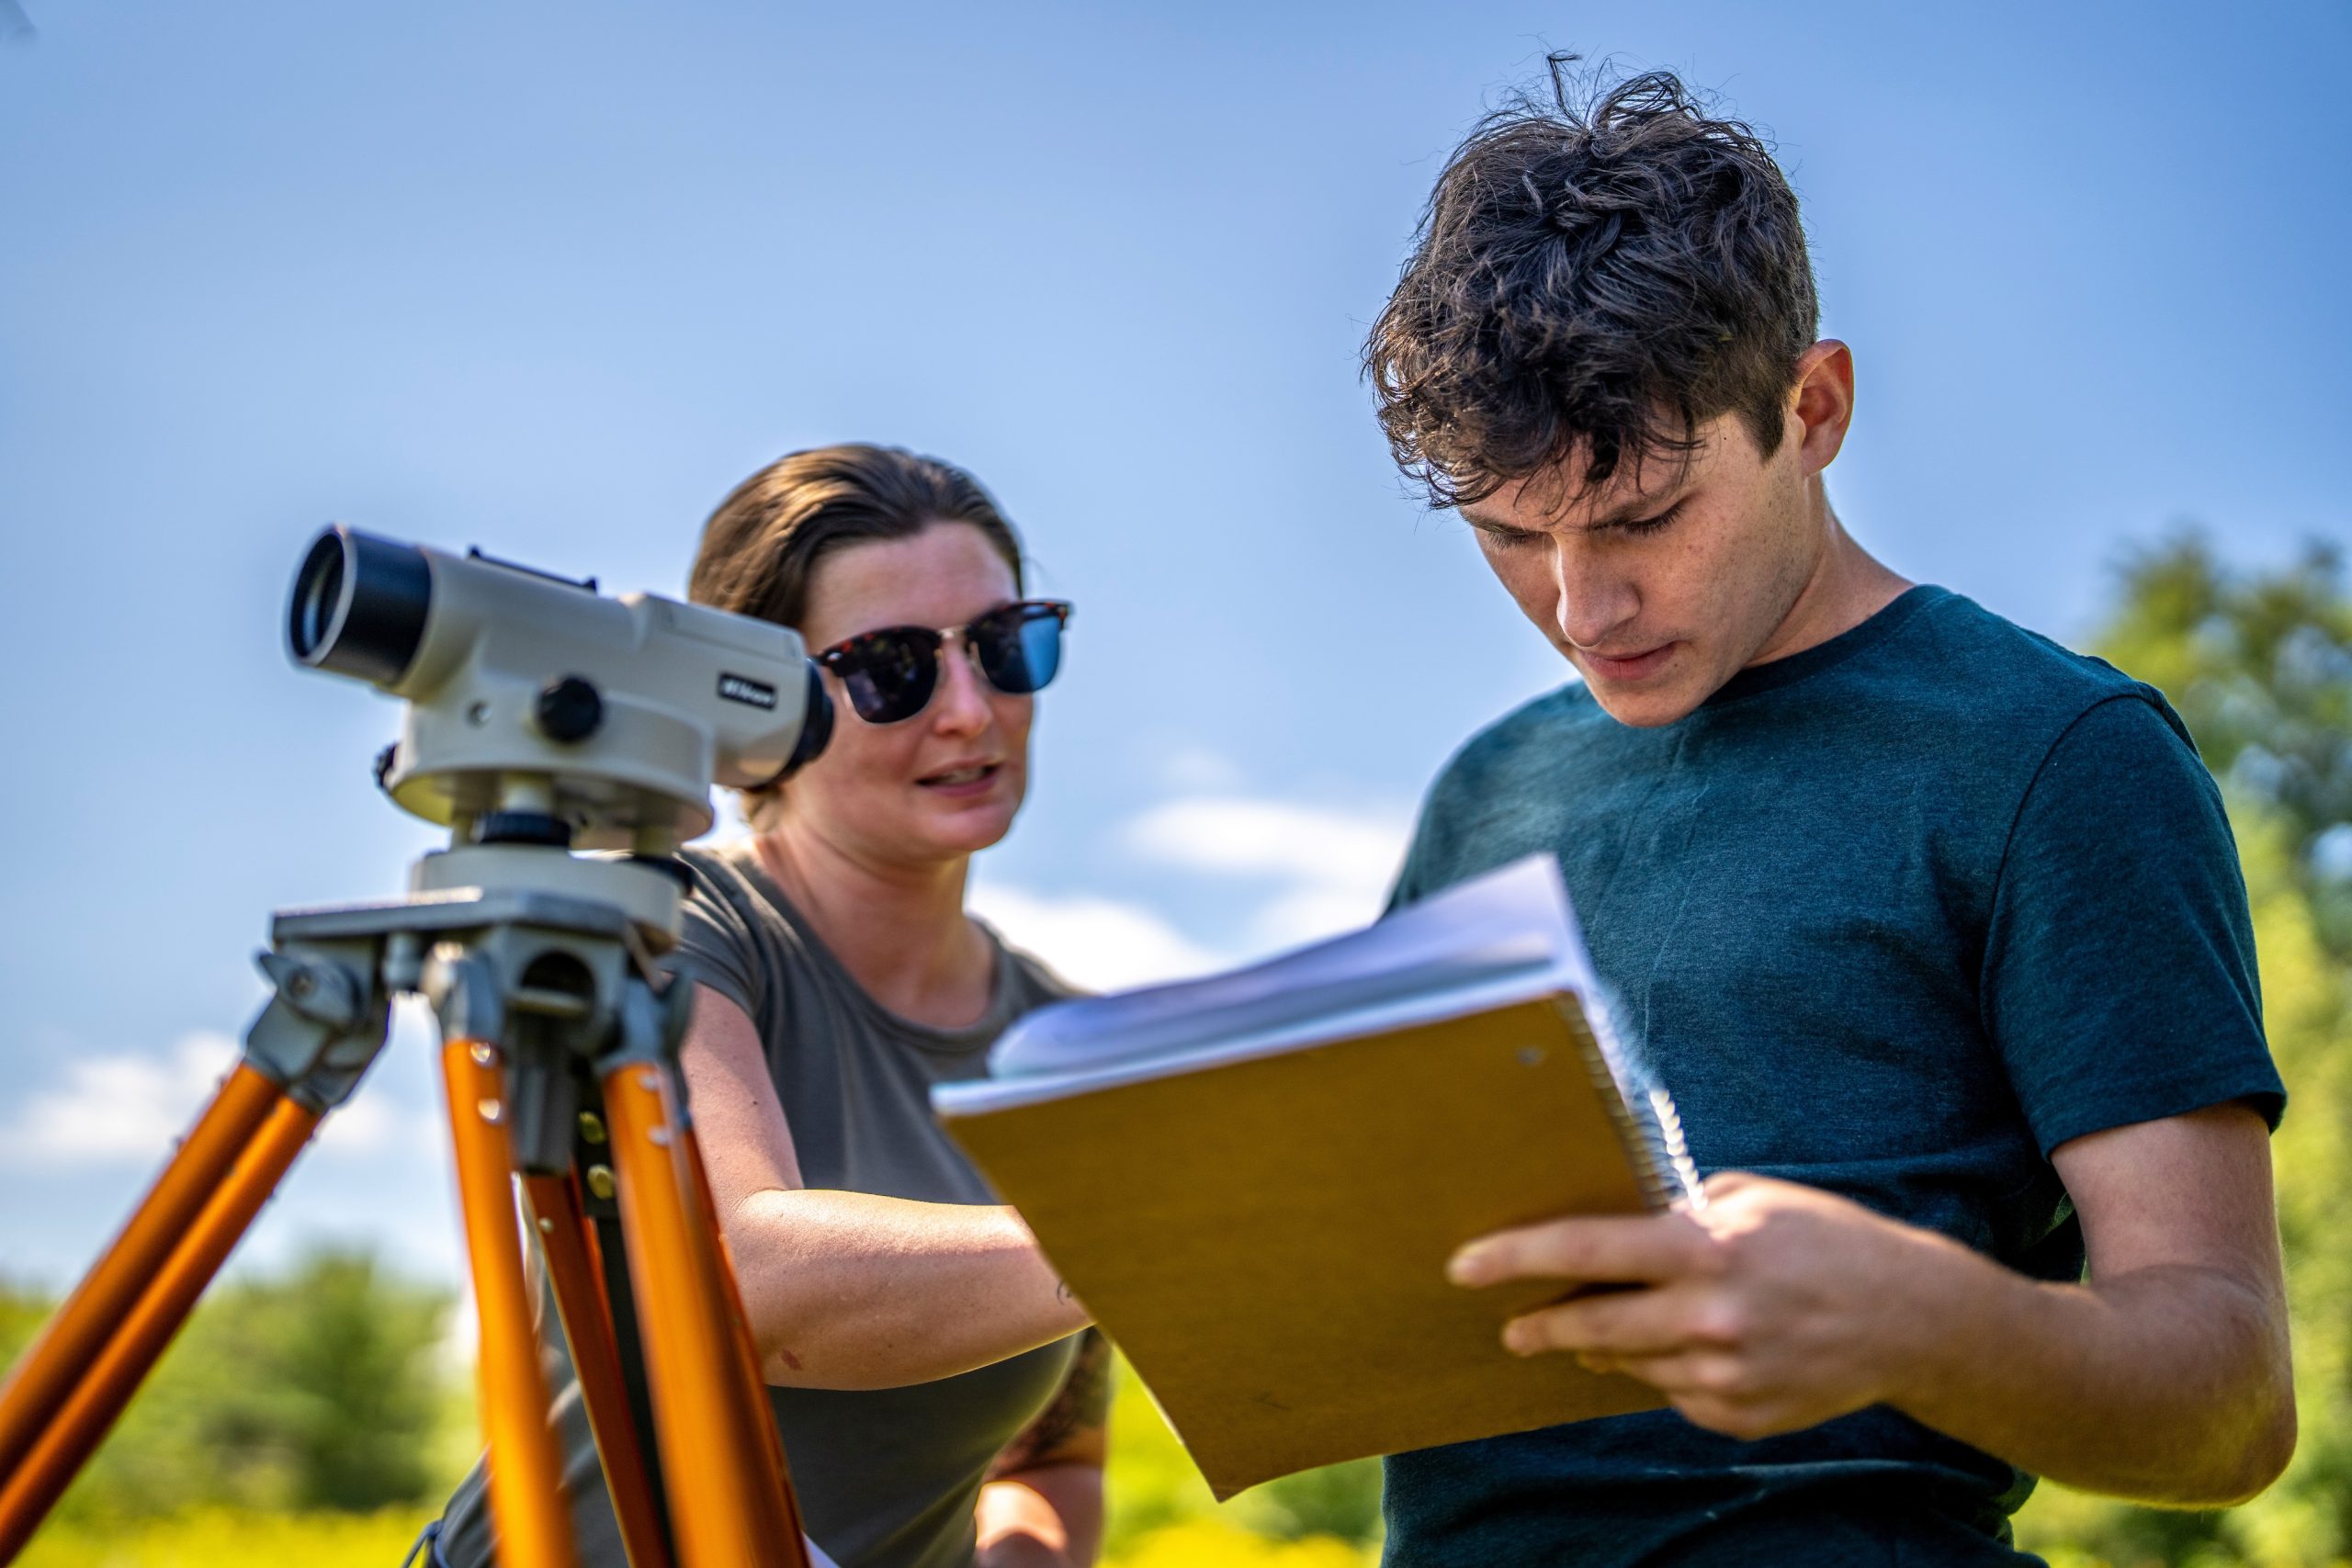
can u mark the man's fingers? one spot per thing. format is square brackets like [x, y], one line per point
[1690, 1374]
[1620, 1323]
[1630, 1324]
[1612, 1250]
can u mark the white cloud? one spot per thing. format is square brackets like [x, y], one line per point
[1303, 915]
[130, 1108]
[369, 1124]
[1242, 835]
[1100, 943]
[123, 1108]
[1198, 768]
[1334, 864]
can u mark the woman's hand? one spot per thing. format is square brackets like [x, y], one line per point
[1043, 1505]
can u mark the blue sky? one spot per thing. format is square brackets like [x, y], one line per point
[550, 279]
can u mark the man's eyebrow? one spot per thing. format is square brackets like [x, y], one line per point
[1635, 511]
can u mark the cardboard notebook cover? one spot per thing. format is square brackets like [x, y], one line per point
[1266, 1238]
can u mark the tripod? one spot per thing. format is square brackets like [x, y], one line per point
[560, 1061]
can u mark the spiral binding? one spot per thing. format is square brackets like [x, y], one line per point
[1638, 1104]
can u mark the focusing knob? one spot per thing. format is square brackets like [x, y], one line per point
[569, 710]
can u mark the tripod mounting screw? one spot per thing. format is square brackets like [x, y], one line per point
[569, 710]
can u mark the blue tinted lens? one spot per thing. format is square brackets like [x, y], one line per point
[1019, 648]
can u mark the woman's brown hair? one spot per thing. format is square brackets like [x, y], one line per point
[761, 547]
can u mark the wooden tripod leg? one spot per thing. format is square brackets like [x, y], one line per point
[114, 1374]
[726, 1511]
[527, 1498]
[567, 1244]
[50, 1371]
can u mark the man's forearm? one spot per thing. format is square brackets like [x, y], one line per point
[2169, 1384]
[1776, 1307]
[848, 1290]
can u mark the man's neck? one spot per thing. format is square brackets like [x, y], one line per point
[901, 931]
[1848, 587]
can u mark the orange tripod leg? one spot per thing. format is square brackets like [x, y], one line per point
[83, 1418]
[566, 1243]
[56, 1363]
[526, 1474]
[749, 1377]
[727, 1512]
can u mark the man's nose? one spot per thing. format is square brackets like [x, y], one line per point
[1592, 599]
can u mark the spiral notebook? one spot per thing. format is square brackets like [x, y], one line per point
[1253, 1181]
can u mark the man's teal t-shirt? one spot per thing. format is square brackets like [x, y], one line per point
[1895, 917]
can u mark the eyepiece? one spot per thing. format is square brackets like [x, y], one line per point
[359, 606]
[816, 723]
[815, 729]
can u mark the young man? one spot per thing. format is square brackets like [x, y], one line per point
[1934, 928]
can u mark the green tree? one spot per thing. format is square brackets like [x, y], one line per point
[2260, 666]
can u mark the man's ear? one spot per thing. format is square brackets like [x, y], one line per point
[1823, 402]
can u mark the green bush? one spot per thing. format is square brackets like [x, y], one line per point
[316, 1389]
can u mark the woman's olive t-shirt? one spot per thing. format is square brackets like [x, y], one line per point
[886, 1478]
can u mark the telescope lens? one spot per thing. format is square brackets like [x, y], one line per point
[359, 606]
[318, 597]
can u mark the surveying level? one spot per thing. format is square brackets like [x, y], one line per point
[541, 719]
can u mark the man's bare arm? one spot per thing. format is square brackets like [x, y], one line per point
[2164, 1377]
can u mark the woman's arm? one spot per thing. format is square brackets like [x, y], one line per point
[848, 1290]
[1043, 1505]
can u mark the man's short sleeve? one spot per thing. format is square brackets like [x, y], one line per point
[716, 944]
[2118, 977]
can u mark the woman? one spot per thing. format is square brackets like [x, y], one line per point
[937, 1398]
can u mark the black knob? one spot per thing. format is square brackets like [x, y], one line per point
[569, 710]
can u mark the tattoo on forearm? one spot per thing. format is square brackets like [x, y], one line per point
[1079, 1411]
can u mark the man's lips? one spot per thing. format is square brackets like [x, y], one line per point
[1628, 667]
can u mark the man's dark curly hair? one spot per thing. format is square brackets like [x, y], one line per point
[1602, 279]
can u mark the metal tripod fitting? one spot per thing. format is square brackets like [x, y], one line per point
[326, 1021]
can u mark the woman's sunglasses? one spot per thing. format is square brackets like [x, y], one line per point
[890, 673]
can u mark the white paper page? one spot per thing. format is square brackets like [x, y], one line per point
[1511, 929]
[1478, 993]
